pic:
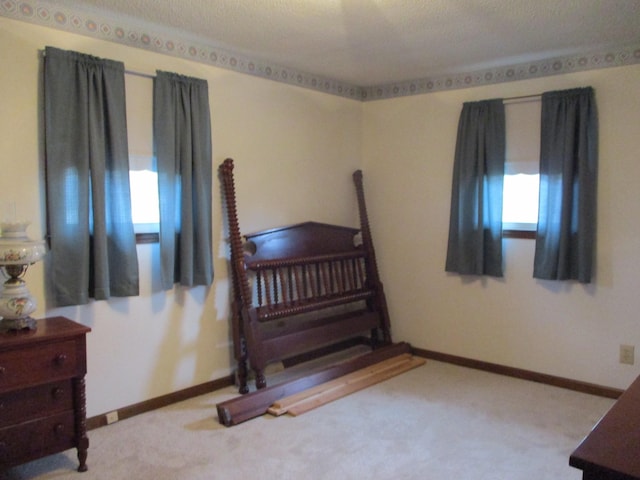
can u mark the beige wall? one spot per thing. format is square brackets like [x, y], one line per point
[560, 328]
[294, 149]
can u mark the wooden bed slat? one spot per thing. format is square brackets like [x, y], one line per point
[282, 406]
[350, 387]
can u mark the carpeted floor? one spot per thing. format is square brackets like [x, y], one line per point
[438, 421]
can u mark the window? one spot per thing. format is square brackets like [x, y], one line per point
[143, 176]
[520, 201]
[521, 179]
[144, 194]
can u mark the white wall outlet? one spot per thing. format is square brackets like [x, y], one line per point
[627, 353]
[112, 417]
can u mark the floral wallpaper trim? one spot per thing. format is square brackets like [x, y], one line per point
[553, 66]
[170, 43]
[166, 42]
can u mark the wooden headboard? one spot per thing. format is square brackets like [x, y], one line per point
[301, 287]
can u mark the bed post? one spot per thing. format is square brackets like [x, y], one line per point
[370, 262]
[240, 283]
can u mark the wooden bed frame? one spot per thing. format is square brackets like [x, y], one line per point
[301, 288]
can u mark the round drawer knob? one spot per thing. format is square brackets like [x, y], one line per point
[59, 429]
[57, 392]
[61, 358]
[2, 370]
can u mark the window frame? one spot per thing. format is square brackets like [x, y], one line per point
[149, 237]
[516, 233]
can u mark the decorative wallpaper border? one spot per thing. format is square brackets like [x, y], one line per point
[171, 43]
[552, 66]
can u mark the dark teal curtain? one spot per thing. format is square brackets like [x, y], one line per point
[565, 242]
[475, 223]
[182, 138]
[93, 246]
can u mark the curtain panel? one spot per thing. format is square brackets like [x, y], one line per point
[182, 142]
[565, 242]
[475, 222]
[92, 242]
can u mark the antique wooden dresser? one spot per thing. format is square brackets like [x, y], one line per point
[42, 392]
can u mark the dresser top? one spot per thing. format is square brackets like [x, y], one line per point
[48, 329]
[614, 443]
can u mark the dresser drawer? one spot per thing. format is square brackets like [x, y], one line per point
[26, 367]
[29, 403]
[36, 438]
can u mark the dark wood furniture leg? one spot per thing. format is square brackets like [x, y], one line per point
[81, 423]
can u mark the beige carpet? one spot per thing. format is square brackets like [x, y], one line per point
[437, 421]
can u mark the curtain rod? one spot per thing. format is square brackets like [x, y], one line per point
[522, 98]
[139, 74]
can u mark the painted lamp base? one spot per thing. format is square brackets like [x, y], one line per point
[16, 304]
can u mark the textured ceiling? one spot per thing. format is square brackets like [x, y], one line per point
[373, 42]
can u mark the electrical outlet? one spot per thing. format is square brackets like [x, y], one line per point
[627, 354]
[112, 417]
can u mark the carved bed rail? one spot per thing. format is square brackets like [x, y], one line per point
[293, 286]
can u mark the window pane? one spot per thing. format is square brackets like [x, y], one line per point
[144, 200]
[520, 202]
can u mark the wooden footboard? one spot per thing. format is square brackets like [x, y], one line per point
[301, 287]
